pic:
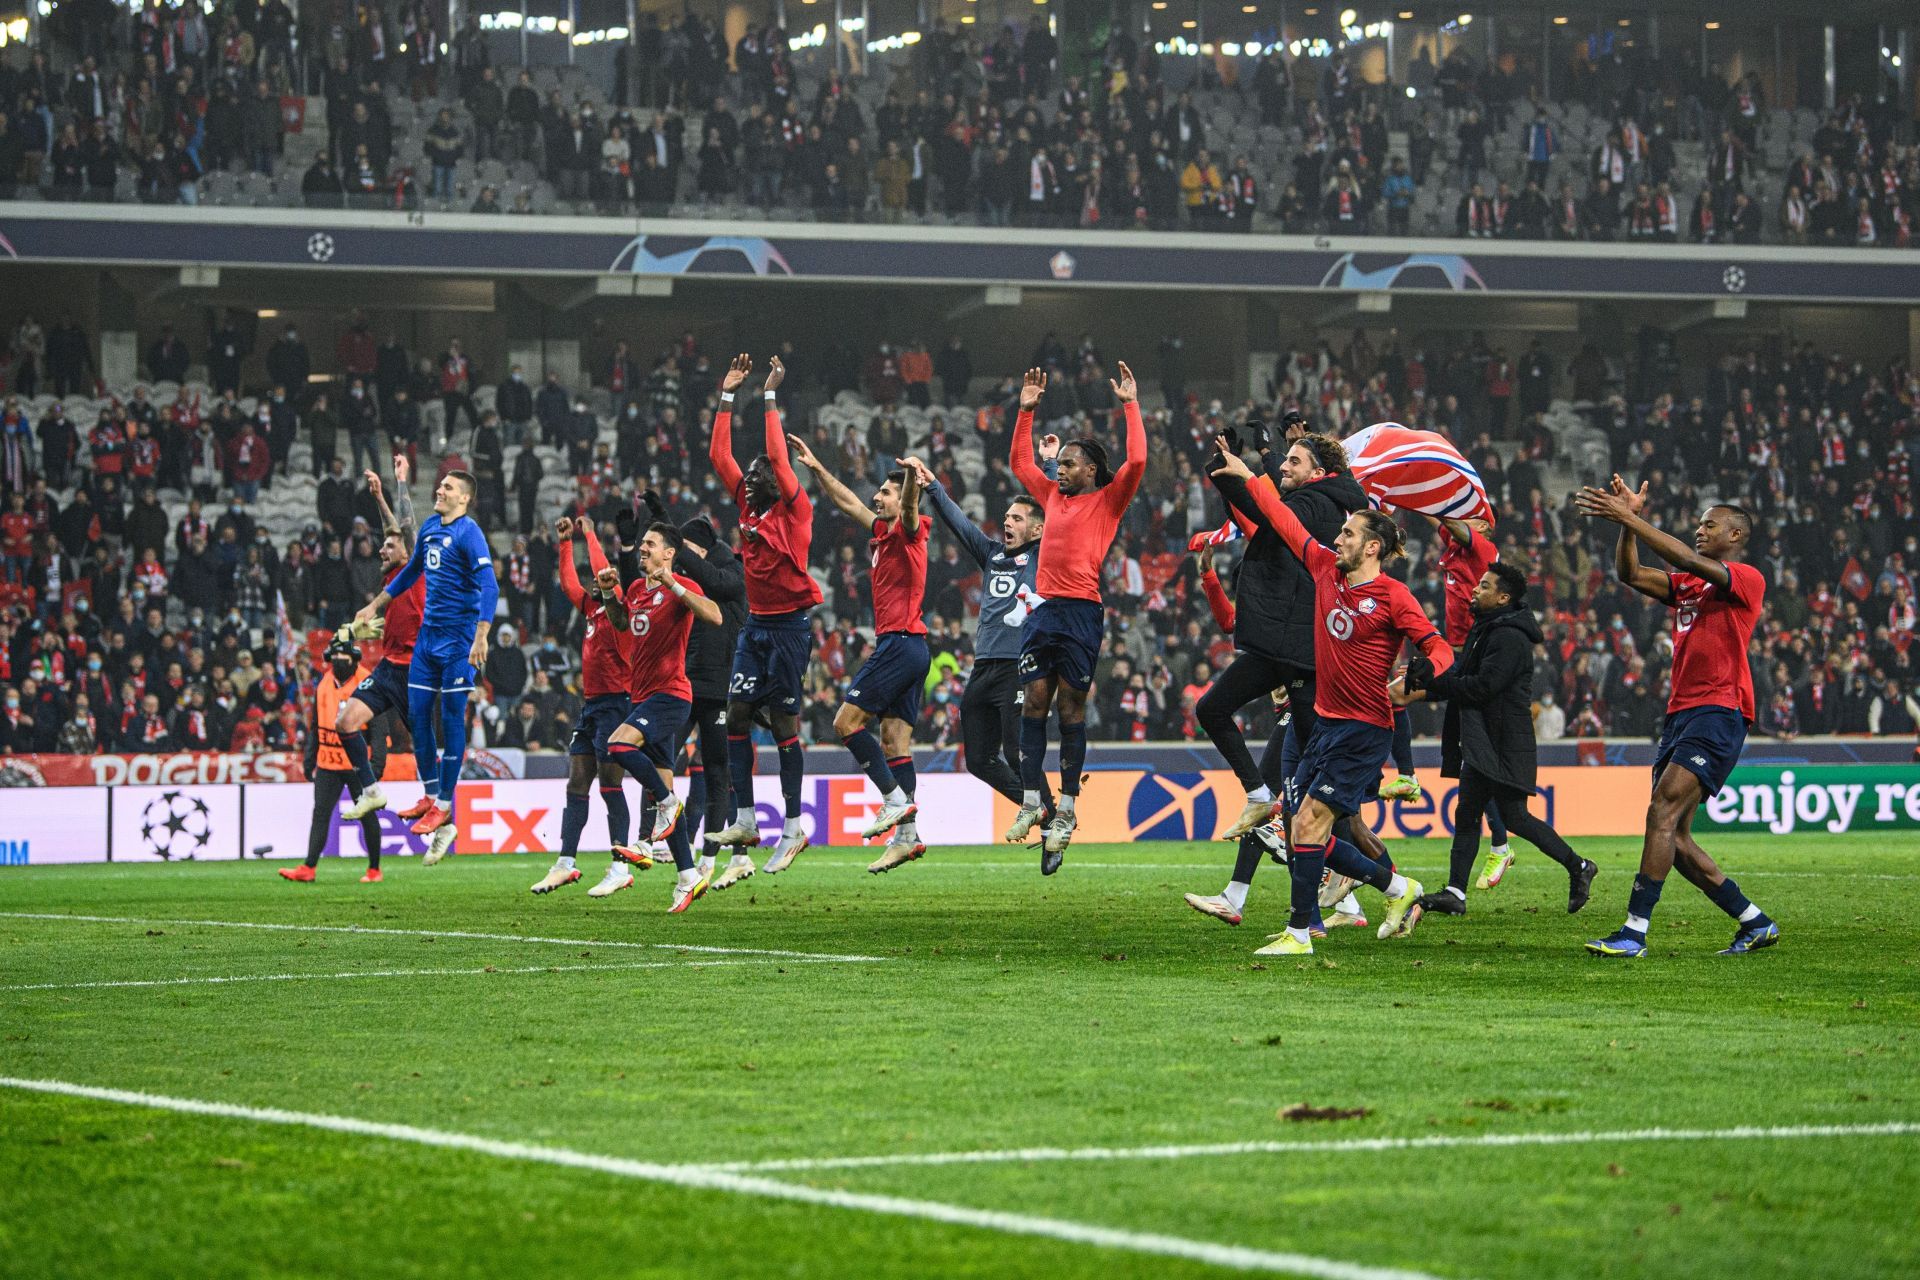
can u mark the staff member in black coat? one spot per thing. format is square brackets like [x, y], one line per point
[1273, 603]
[1487, 739]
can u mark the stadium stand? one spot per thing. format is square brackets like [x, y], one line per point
[952, 129]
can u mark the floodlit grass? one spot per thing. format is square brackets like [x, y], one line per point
[1003, 1011]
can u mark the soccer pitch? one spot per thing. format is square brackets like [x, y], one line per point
[956, 1069]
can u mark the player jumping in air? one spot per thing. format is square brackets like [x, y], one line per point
[890, 683]
[1061, 640]
[603, 688]
[990, 707]
[384, 690]
[452, 555]
[328, 766]
[1364, 617]
[657, 609]
[1717, 601]
[770, 661]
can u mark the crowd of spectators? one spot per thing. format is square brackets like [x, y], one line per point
[131, 624]
[971, 126]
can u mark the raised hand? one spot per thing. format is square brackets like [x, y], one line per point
[585, 524]
[563, 528]
[373, 482]
[798, 448]
[1032, 387]
[1605, 505]
[1635, 500]
[922, 473]
[1050, 445]
[775, 373]
[737, 372]
[607, 580]
[401, 468]
[1126, 391]
[1227, 462]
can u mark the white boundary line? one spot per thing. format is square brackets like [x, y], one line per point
[1038, 1154]
[706, 1179]
[443, 933]
[388, 973]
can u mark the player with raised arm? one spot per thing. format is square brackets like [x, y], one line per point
[1716, 601]
[658, 609]
[990, 707]
[452, 555]
[1364, 616]
[384, 690]
[770, 661]
[604, 670]
[892, 681]
[717, 572]
[1061, 640]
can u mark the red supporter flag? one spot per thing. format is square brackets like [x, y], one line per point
[1416, 471]
[1854, 580]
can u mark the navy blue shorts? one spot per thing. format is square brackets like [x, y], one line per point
[770, 665]
[893, 680]
[1062, 638]
[440, 661]
[1340, 766]
[1706, 742]
[659, 719]
[600, 716]
[384, 689]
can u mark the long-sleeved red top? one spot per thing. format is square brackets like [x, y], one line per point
[1361, 625]
[606, 652]
[1217, 600]
[1081, 526]
[775, 543]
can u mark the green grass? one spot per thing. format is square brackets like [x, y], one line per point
[1093, 1009]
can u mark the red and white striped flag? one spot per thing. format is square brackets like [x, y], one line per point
[1215, 537]
[1416, 471]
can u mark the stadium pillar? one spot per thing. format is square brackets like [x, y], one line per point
[523, 32]
[838, 35]
[1546, 57]
[573, 24]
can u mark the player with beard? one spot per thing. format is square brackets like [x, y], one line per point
[770, 660]
[384, 691]
[1716, 601]
[990, 707]
[1061, 640]
[1487, 739]
[1274, 636]
[658, 609]
[892, 681]
[1365, 616]
[604, 667]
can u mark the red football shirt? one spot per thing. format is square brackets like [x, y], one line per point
[403, 622]
[774, 543]
[1711, 629]
[1080, 528]
[605, 663]
[899, 576]
[1463, 568]
[1361, 628]
[657, 653]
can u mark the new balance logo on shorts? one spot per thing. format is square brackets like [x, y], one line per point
[1701, 761]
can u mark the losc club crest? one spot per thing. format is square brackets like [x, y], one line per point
[1062, 265]
[1172, 806]
[176, 826]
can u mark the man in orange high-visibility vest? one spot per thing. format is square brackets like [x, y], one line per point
[327, 762]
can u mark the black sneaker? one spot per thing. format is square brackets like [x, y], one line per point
[1444, 902]
[1580, 885]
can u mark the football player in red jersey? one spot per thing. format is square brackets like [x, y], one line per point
[657, 609]
[1060, 642]
[604, 669]
[1717, 602]
[1365, 616]
[770, 659]
[889, 685]
[385, 688]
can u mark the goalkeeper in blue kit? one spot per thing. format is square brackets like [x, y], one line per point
[452, 554]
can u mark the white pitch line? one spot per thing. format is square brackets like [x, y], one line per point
[225, 980]
[1235, 1257]
[442, 933]
[1330, 1146]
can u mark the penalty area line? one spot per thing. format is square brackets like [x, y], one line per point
[1234, 1257]
[1890, 1129]
[370, 931]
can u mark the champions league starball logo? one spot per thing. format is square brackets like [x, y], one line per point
[320, 247]
[176, 826]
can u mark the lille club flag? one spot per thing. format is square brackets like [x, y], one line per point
[1418, 471]
[1853, 579]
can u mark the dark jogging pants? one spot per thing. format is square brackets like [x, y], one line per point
[990, 726]
[327, 786]
[1475, 793]
[1247, 678]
